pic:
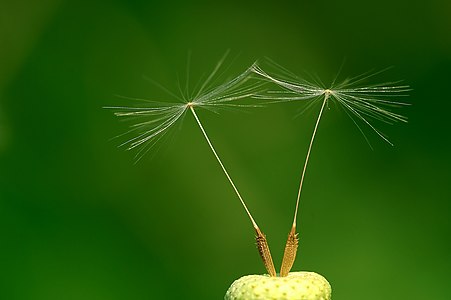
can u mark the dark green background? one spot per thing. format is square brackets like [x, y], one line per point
[79, 221]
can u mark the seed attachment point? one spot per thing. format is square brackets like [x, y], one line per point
[327, 93]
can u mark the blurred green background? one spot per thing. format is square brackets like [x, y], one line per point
[78, 220]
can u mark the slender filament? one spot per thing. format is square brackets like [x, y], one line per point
[291, 246]
[262, 243]
[222, 166]
[326, 96]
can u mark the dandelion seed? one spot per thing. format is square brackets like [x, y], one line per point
[154, 120]
[363, 103]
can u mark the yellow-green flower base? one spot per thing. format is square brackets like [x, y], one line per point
[295, 286]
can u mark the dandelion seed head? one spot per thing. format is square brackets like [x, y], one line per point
[362, 103]
[150, 121]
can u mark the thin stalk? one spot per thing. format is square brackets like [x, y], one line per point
[262, 244]
[291, 246]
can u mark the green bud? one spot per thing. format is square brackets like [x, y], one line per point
[295, 286]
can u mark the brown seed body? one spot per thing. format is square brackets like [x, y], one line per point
[265, 254]
[289, 255]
